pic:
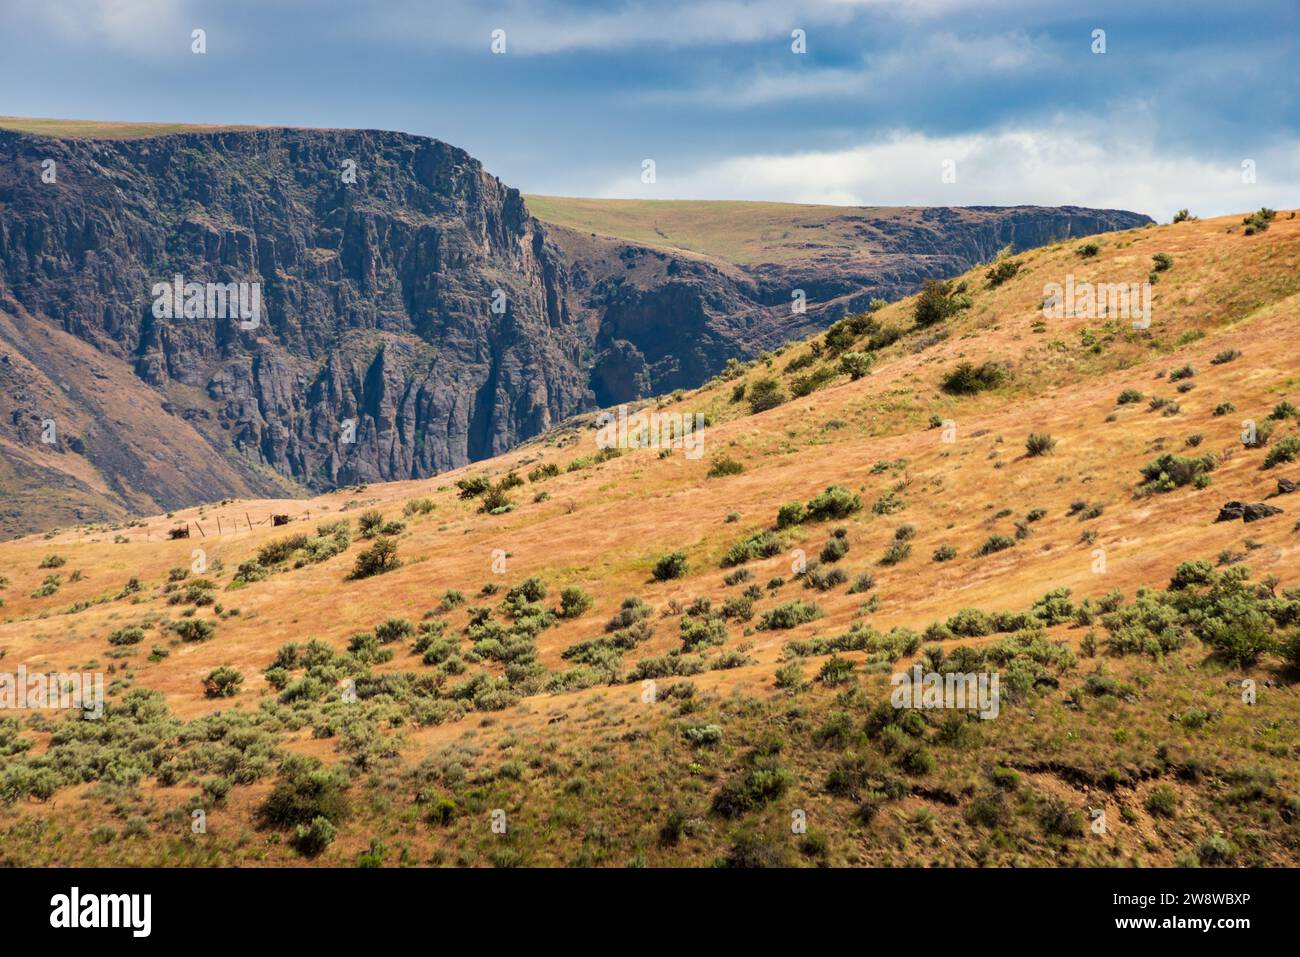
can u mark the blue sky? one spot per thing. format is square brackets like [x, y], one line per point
[1010, 93]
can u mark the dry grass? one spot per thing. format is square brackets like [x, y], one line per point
[604, 526]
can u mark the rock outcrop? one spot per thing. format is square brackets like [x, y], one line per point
[413, 318]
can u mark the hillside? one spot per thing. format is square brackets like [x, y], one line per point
[485, 693]
[417, 317]
[756, 234]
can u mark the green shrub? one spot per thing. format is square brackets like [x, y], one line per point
[835, 671]
[970, 379]
[304, 791]
[1170, 471]
[394, 629]
[1259, 221]
[856, 364]
[1287, 450]
[1039, 443]
[863, 583]
[944, 553]
[193, 629]
[1128, 397]
[760, 784]
[1162, 261]
[702, 632]
[807, 384]
[370, 521]
[1059, 819]
[670, 566]
[834, 503]
[574, 602]
[222, 682]
[1003, 268]
[312, 839]
[1162, 801]
[823, 579]
[790, 614]
[724, 465]
[937, 302]
[764, 394]
[834, 549]
[895, 553]
[970, 623]
[379, 558]
[790, 514]
[131, 635]
[995, 543]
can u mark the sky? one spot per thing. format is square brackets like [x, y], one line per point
[913, 102]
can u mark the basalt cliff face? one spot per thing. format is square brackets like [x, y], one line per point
[414, 317]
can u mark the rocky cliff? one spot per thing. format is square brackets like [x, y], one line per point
[413, 315]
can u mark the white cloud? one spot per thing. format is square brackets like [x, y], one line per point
[535, 27]
[143, 28]
[935, 60]
[1100, 164]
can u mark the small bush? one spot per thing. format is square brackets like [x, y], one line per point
[1039, 443]
[193, 629]
[764, 394]
[895, 553]
[995, 543]
[937, 302]
[1169, 471]
[222, 682]
[944, 553]
[856, 364]
[723, 465]
[379, 558]
[131, 635]
[1287, 450]
[1162, 801]
[791, 614]
[970, 379]
[305, 791]
[370, 521]
[574, 602]
[834, 549]
[1259, 221]
[670, 566]
[834, 503]
[312, 839]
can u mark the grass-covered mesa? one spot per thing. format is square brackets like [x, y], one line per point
[643, 658]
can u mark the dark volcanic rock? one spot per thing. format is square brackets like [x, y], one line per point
[1286, 486]
[1260, 510]
[1231, 512]
[412, 321]
[377, 296]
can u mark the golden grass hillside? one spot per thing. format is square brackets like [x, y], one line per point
[462, 734]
